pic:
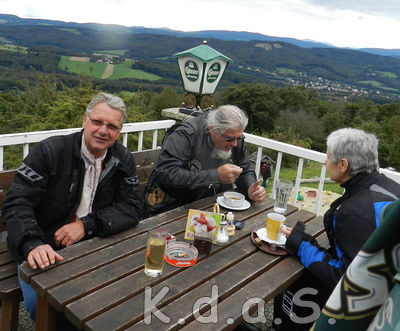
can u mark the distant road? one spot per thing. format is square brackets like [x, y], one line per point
[108, 72]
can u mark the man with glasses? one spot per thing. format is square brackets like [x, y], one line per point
[72, 187]
[202, 157]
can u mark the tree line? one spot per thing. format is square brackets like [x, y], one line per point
[295, 115]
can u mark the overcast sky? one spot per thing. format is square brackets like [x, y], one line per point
[343, 23]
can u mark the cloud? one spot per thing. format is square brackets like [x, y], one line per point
[385, 8]
[354, 23]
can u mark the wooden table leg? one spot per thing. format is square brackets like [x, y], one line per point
[45, 315]
[9, 314]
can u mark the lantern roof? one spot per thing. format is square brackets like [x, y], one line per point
[203, 53]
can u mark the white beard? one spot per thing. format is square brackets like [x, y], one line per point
[220, 154]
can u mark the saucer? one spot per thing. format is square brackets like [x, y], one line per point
[265, 246]
[244, 206]
[262, 234]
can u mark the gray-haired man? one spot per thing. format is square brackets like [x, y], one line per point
[202, 157]
[70, 188]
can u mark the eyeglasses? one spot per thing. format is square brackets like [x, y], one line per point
[230, 139]
[98, 123]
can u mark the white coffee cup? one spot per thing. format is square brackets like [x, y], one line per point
[233, 199]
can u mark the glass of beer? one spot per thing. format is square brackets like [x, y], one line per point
[156, 241]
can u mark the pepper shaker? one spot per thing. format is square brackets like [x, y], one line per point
[230, 227]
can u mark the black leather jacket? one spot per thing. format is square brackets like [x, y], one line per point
[186, 172]
[47, 190]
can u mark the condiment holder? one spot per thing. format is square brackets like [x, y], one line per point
[222, 235]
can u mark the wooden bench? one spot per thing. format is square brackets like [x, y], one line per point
[10, 292]
[145, 163]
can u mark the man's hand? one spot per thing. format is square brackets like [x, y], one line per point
[228, 173]
[42, 256]
[69, 234]
[256, 192]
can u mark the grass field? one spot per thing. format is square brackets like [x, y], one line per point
[94, 69]
[84, 68]
[124, 70]
[74, 31]
[113, 51]
[13, 48]
[286, 71]
[388, 74]
[311, 171]
[377, 84]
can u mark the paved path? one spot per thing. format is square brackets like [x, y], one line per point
[108, 72]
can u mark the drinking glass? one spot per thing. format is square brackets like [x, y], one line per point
[156, 241]
[283, 189]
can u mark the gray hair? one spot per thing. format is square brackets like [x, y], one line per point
[359, 148]
[227, 117]
[111, 101]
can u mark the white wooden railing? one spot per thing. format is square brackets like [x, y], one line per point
[27, 138]
[302, 154]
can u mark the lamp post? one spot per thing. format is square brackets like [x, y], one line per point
[201, 70]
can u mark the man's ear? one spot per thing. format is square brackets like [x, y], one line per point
[84, 120]
[344, 165]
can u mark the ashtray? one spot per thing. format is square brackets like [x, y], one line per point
[180, 254]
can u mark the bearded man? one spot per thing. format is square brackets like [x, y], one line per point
[202, 157]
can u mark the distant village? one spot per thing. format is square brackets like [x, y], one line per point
[322, 85]
[106, 58]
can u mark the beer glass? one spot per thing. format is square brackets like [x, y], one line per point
[156, 241]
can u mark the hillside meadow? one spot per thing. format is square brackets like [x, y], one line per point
[97, 70]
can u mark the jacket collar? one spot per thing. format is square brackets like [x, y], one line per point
[77, 147]
[359, 180]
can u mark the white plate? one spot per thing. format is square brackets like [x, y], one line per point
[262, 234]
[244, 206]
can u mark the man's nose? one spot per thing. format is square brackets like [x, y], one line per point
[103, 129]
[234, 143]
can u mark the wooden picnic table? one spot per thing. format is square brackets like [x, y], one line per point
[101, 284]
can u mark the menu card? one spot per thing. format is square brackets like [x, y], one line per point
[202, 222]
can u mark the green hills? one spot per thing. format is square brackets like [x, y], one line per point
[142, 59]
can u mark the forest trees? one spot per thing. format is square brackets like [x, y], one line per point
[298, 116]
[295, 115]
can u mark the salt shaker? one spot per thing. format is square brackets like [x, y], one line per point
[222, 236]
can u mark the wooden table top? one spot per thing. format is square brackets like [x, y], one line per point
[101, 284]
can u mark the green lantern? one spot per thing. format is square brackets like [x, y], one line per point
[201, 70]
